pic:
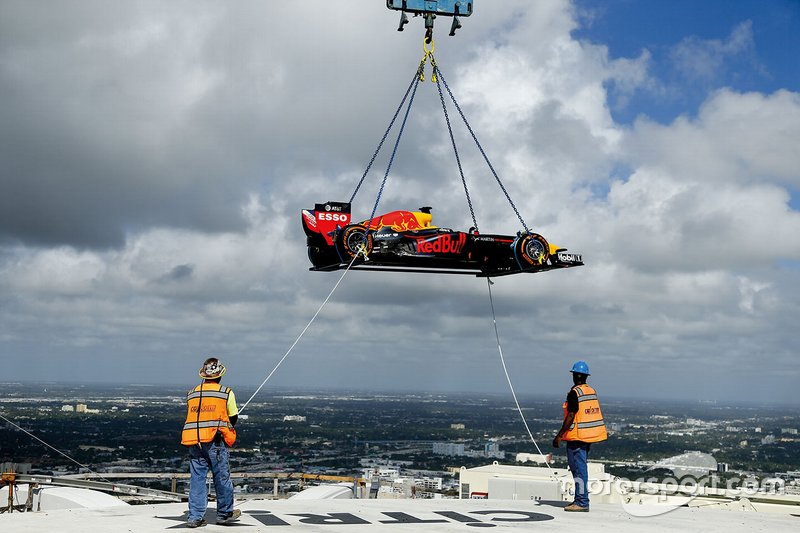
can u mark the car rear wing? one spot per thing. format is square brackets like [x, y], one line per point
[325, 218]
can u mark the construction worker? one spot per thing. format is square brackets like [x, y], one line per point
[208, 433]
[583, 424]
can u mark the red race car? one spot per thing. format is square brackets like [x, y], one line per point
[406, 241]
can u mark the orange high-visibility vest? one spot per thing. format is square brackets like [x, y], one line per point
[588, 425]
[207, 414]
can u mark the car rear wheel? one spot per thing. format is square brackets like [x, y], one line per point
[533, 249]
[350, 240]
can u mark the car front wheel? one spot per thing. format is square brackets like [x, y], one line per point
[533, 249]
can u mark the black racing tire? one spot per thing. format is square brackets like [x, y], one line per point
[533, 249]
[350, 239]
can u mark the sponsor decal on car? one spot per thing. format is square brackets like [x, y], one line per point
[567, 257]
[310, 219]
[441, 244]
[400, 221]
[336, 217]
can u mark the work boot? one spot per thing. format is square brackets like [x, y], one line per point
[229, 519]
[575, 508]
[196, 523]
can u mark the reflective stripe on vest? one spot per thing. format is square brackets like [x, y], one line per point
[207, 413]
[208, 394]
[588, 425]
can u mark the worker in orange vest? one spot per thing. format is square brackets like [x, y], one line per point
[583, 424]
[208, 433]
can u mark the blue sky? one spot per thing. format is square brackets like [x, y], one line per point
[765, 61]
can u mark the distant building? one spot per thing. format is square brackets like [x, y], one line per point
[769, 439]
[67, 408]
[758, 430]
[492, 449]
[788, 431]
[722, 467]
[294, 418]
[457, 426]
[80, 408]
[18, 468]
[538, 458]
[87, 447]
[429, 483]
[448, 448]
[385, 472]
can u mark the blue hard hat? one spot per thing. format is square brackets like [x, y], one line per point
[581, 368]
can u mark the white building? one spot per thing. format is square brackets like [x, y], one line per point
[67, 408]
[429, 483]
[537, 458]
[294, 418]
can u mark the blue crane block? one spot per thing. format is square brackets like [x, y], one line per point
[430, 9]
[439, 7]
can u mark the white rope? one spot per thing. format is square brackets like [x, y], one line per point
[245, 404]
[508, 378]
[301, 333]
[64, 454]
[51, 447]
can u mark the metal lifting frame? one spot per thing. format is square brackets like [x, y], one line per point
[429, 9]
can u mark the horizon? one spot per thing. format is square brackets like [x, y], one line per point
[494, 396]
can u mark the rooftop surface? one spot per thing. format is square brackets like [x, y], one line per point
[377, 516]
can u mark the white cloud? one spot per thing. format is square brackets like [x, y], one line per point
[736, 138]
[224, 125]
[703, 60]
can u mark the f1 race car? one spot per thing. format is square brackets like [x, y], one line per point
[406, 241]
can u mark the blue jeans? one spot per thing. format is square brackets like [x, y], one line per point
[201, 458]
[577, 455]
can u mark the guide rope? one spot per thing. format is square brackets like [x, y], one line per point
[20, 428]
[46, 444]
[508, 378]
[302, 332]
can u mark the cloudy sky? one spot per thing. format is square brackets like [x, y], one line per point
[155, 156]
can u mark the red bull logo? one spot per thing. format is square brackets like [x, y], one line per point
[400, 221]
[442, 244]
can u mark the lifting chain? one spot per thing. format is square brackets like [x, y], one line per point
[439, 74]
[437, 77]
